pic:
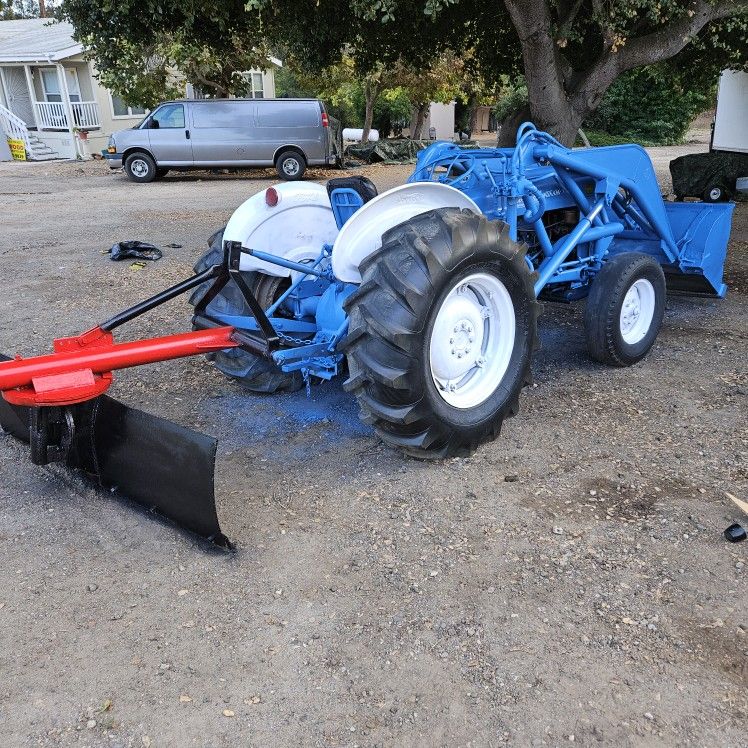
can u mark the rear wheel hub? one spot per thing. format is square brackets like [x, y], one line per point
[472, 340]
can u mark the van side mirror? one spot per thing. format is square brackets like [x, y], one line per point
[154, 124]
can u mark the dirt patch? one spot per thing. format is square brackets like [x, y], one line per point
[373, 600]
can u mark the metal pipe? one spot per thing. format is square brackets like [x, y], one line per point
[275, 260]
[584, 230]
[543, 238]
[106, 357]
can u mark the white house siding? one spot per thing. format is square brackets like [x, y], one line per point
[97, 139]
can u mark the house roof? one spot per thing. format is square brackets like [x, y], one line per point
[36, 40]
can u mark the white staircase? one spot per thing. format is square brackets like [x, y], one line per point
[40, 151]
[15, 128]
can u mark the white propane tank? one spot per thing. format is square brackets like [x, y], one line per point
[355, 133]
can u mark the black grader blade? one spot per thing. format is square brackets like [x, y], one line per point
[165, 467]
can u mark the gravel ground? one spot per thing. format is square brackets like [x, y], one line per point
[569, 582]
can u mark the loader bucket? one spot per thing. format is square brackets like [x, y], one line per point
[701, 232]
[166, 468]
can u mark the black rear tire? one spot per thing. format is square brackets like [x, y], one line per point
[140, 167]
[290, 166]
[603, 313]
[256, 373]
[392, 317]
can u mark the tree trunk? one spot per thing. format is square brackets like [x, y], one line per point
[371, 91]
[420, 112]
[473, 109]
[560, 98]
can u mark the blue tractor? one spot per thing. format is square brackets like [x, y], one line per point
[427, 294]
[429, 291]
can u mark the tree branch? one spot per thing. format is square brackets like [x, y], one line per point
[672, 38]
[648, 49]
[568, 18]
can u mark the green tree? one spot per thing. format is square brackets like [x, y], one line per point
[569, 51]
[141, 47]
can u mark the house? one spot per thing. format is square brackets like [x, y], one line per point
[49, 92]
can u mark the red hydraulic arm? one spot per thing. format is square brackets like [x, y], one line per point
[81, 367]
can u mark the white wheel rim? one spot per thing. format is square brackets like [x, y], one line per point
[291, 167]
[637, 311]
[472, 340]
[139, 167]
[715, 193]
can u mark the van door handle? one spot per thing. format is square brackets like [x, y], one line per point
[187, 134]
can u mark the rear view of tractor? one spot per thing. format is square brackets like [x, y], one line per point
[425, 297]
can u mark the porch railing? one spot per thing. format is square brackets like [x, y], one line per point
[14, 128]
[52, 115]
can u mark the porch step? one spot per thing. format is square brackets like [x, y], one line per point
[53, 156]
[40, 151]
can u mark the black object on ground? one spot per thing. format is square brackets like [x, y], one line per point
[135, 250]
[735, 533]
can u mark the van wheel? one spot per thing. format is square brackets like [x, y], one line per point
[140, 167]
[290, 166]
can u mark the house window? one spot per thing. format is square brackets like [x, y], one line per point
[51, 85]
[258, 91]
[255, 86]
[120, 109]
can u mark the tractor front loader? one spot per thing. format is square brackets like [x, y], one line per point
[427, 294]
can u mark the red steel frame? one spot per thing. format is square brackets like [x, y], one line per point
[81, 367]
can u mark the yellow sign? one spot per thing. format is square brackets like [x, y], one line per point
[17, 149]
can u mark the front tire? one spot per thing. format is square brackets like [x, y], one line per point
[140, 167]
[624, 309]
[442, 331]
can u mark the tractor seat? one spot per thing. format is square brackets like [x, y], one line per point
[347, 195]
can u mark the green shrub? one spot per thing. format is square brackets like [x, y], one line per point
[649, 105]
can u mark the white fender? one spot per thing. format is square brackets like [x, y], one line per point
[362, 234]
[296, 228]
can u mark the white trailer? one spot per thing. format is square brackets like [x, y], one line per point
[730, 129]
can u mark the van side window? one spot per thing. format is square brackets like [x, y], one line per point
[170, 116]
[288, 114]
[223, 114]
